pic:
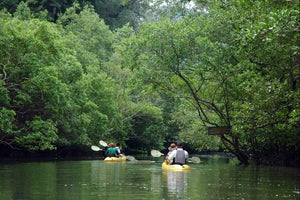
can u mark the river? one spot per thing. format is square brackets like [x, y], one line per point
[214, 178]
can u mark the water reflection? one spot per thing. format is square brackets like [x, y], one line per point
[21, 181]
[91, 180]
[176, 182]
[108, 178]
[156, 181]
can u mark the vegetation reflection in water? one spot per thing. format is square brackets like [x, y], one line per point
[214, 178]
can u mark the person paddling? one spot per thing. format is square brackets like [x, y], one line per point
[171, 148]
[179, 155]
[111, 151]
[119, 150]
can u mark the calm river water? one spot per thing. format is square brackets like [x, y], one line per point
[214, 178]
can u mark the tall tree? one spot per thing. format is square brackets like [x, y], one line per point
[224, 63]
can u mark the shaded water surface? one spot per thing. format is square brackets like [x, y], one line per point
[214, 178]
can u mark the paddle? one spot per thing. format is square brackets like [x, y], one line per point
[194, 159]
[131, 158]
[102, 143]
[95, 148]
[156, 153]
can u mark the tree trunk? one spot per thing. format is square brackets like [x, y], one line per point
[235, 149]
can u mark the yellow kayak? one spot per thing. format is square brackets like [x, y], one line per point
[115, 159]
[175, 167]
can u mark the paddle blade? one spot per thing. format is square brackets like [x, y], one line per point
[156, 153]
[130, 158]
[102, 143]
[95, 148]
[195, 160]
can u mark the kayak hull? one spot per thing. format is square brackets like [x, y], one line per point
[175, 167]
[115, 159]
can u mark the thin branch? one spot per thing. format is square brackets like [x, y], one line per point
[8, 143]
[3, 70]
[215, 92]
[131, 116]
[263, 64]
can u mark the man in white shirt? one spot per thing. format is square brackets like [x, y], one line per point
[178, 156]
[119, 150]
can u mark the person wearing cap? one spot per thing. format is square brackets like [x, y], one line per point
[179, 155]
[111, 151]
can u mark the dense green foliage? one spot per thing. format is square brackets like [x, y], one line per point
[57, 87]
[238, 65]
[115, 13]
[75, 72]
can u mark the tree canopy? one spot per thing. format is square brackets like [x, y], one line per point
[237, 65]
[75, 72]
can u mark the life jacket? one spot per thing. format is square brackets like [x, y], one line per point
[180, 157]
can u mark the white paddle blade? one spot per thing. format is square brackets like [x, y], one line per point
[130, 158]
[102, 143]
[95, 148]
[156, 153]
[195, 160]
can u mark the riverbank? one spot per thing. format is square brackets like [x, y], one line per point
[84, 152]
